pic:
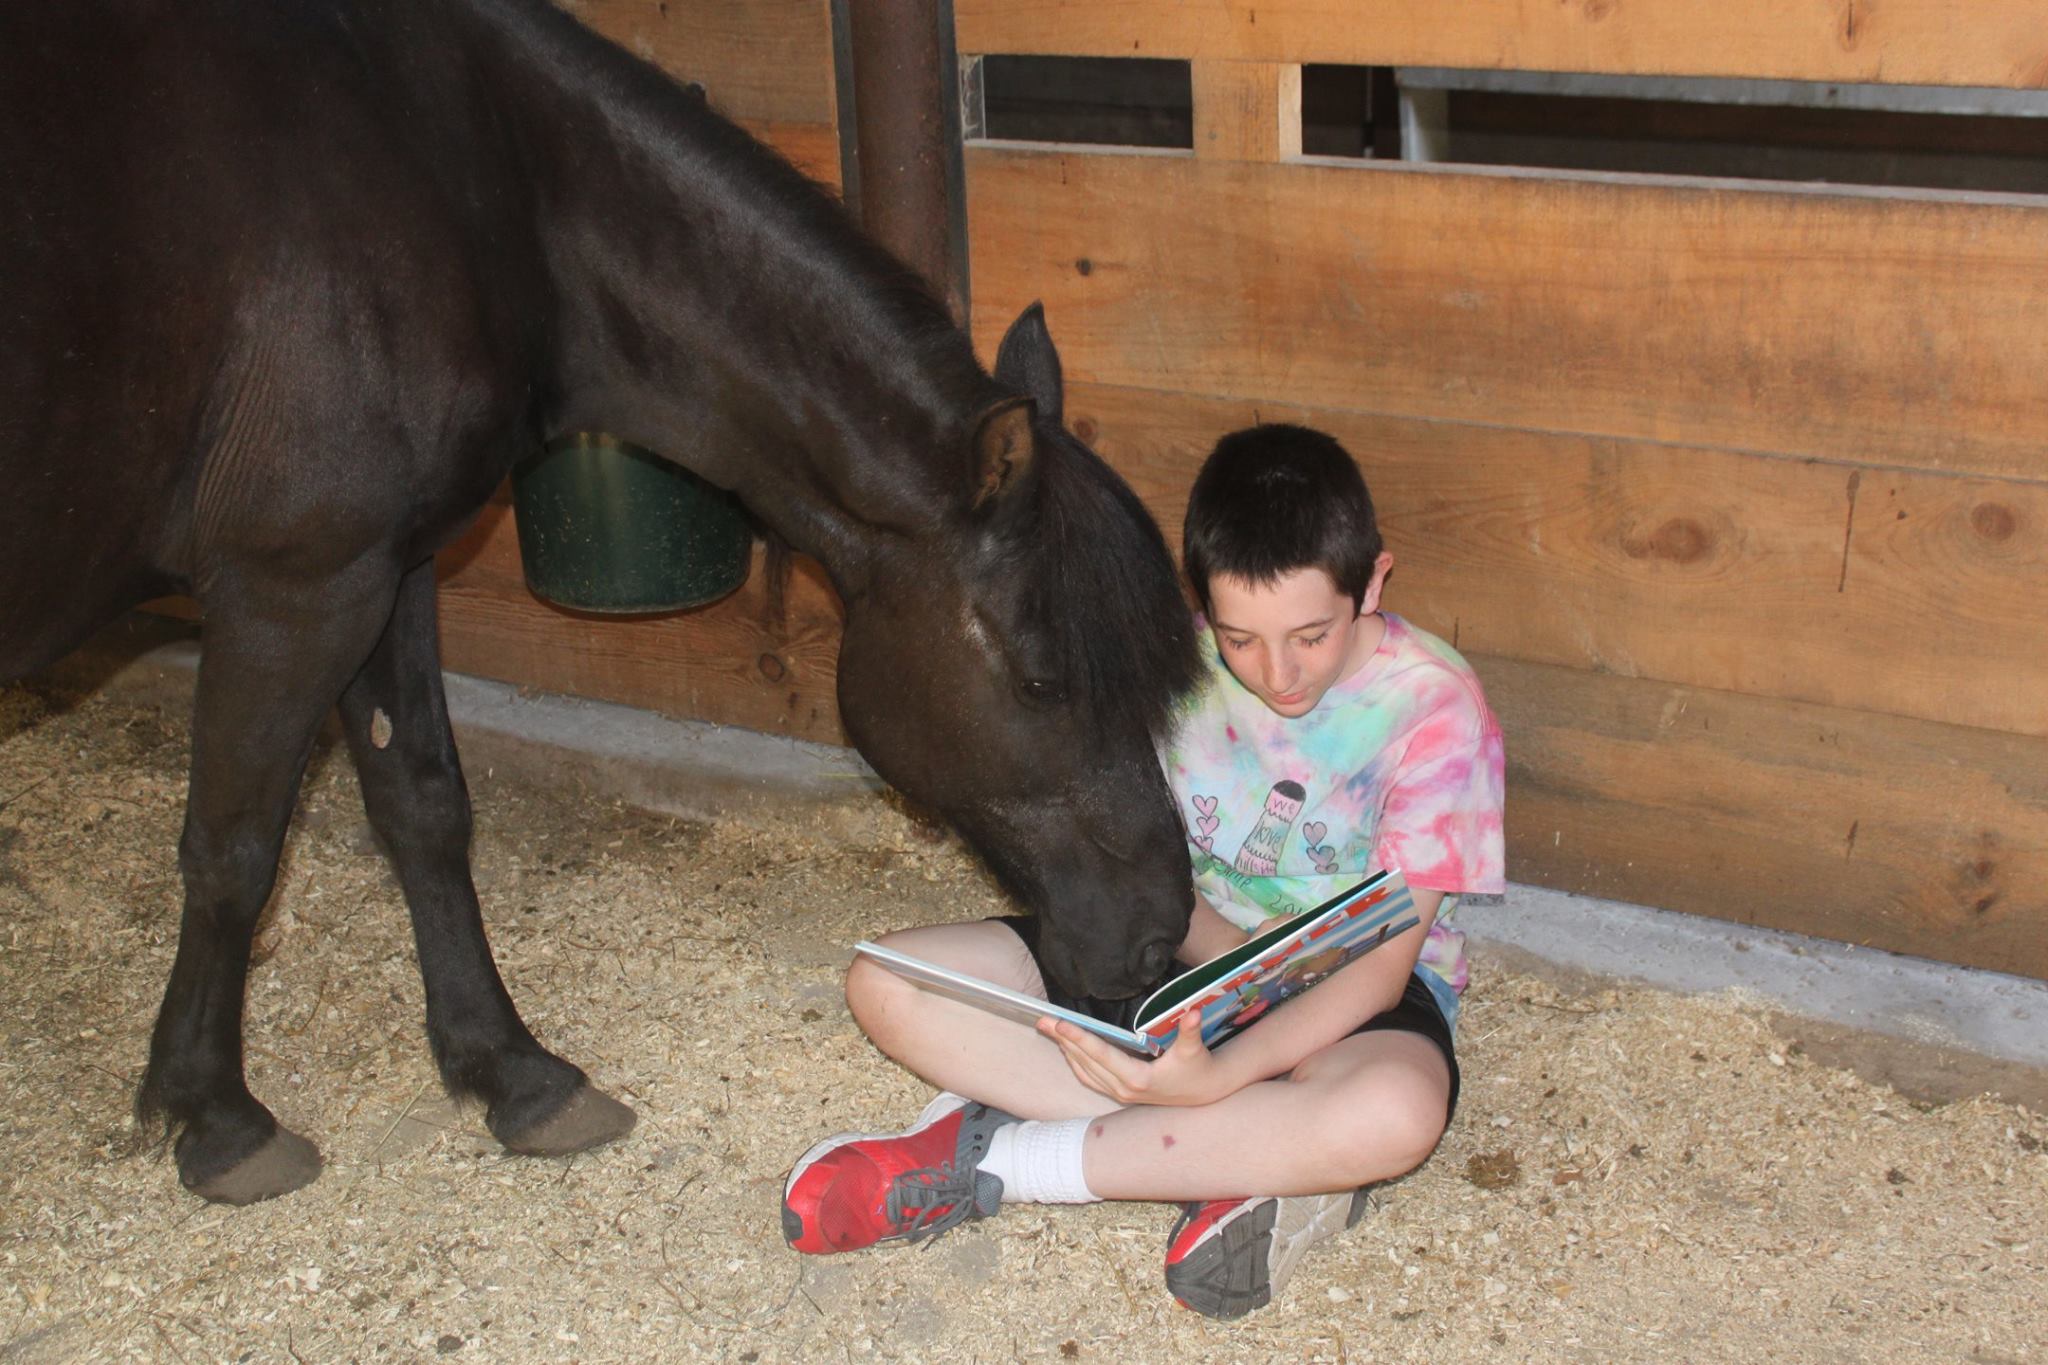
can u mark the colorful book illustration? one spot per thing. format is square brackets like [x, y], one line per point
[1232, 990]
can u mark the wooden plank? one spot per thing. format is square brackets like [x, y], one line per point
[1904, 835]
[726, 663]
[1247, 111]
[1916, 42]
[763, 59]
[1910, 594]
[1862, 326]
[812, 148]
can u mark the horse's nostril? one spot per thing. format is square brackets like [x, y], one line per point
[1155, 959]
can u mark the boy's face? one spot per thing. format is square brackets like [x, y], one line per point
[1290, 641]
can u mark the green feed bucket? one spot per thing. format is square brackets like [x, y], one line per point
[604, 526]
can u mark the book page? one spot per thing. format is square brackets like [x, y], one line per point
[1237, 988]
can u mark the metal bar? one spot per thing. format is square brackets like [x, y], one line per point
[844, 110]
[1905, 99]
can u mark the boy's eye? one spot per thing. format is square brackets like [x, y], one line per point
[1311, 644]
[1237, 642]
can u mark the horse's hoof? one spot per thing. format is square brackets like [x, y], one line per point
[279, 1166]
[589, 1118]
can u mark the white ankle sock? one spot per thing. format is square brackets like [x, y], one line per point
[1039, 1162]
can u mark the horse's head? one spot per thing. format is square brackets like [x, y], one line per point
[1014, 670]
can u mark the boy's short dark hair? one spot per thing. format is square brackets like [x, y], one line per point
[1276, 498]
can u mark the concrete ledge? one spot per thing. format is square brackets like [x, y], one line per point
[678, 767]
[1860, 988]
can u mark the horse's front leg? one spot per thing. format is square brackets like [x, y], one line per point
[275, 657]
[396, 719]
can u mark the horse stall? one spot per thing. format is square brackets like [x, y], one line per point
[1688, 352]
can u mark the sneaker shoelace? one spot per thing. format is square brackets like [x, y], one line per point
[929, 1201]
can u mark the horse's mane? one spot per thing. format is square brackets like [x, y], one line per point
[1106, 589]
[819, 217]
[677, 121]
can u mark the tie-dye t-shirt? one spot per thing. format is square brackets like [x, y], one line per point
[1399, 765]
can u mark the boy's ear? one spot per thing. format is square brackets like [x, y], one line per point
[1377, 584]
[1003, 452]
[1027, 362]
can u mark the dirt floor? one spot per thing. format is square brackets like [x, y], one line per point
[1632, 1176]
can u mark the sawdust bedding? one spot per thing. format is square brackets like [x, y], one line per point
[1632, 1176]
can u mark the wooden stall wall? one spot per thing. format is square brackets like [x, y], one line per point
[767, 64]
[1734, 493]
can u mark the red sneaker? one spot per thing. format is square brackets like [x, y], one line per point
[857, 1189]
[1228, 1256]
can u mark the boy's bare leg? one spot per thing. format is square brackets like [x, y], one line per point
[961, 1048]
[1368, 1107]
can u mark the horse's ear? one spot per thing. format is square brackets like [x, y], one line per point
[1003, 449]
[1027, 362]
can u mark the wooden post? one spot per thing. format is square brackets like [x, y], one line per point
[906, 111]
[1247, 111]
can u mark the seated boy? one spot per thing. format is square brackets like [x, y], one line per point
[1327, 741]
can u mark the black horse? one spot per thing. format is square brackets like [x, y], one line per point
[288, 285]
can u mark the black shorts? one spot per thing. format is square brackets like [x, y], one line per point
[1415, 1012]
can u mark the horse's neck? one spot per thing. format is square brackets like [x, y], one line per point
[713, 309]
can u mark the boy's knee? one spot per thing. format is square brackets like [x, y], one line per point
[890, 1008]
[1393, 1119]
[1410, 1109]
[869, 989]
[885, 1005]
[1409, 1130]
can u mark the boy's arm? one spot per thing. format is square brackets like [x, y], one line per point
[1189, 1073]
[1209, 935]
[1311, 1022]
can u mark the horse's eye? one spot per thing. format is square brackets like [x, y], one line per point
[1042, 691]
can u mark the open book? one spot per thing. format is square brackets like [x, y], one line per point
[1232, 990]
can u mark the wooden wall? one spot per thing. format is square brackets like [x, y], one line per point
[1734, 493]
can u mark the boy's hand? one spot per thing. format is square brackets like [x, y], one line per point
[1186, 1073]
